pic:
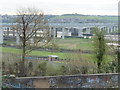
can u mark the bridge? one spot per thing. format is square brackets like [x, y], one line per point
[61, 30]
[78, 29]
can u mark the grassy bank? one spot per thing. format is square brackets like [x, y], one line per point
[69, 43]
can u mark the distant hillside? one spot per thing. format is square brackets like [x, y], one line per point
[68, 18]
[84, 18]
[73, 14]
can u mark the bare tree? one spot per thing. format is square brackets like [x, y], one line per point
[33, 31]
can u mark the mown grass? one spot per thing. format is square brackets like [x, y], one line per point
[39, 53]
[69, 43]
[74, 43]
[9, 42]
[60, 54]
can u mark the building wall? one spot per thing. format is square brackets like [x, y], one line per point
[74, 81]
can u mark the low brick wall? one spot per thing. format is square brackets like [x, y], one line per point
[70, 81]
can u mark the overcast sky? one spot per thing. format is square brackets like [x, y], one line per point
[58, 7]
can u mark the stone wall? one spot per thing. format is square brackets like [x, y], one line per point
[70, 81]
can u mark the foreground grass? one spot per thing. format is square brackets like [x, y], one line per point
[55, 67]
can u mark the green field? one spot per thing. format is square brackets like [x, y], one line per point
[69, 43]
[74, 43]
[39, 53]
[12, 55]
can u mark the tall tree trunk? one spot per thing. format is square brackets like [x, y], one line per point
[99, 67]
[22, 69]
[22, 63]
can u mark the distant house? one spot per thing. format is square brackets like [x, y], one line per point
[113, 44]
[87, 36]
[52, 57]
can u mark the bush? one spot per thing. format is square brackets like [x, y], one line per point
[42, 68]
